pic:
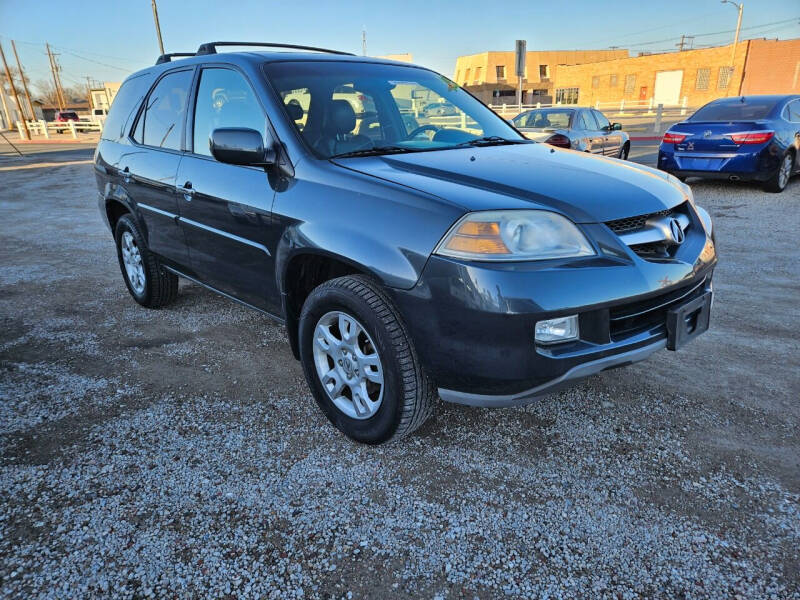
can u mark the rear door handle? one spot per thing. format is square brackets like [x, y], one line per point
[187, 190]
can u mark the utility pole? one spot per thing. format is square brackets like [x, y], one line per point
[740, 7]
[158, 27]
[56, 81]
[5, 104]
[24, 83]
[681, 43]
[364, 41]
[25, 133]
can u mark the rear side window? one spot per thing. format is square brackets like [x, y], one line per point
[161, 123]
[126, 100]
[749, 110]
[224, 99]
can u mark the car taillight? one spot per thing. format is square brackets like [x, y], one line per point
[559, 140]
[751, 137]
[674, 137]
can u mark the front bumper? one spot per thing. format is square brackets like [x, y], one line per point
[473, 323]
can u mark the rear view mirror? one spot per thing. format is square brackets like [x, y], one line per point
[616, 126]
[240, 146]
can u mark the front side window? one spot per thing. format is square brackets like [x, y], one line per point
[224, 99]
[161, 123]
[375, 108]
[587, 121]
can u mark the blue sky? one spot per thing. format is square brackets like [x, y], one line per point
[108, 40]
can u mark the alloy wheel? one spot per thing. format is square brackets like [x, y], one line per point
[348, 365]
[132, 260]
[785, 172]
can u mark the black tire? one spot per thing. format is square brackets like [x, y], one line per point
[408, 394]
[624, 151]
[160, 286]
[777, 183]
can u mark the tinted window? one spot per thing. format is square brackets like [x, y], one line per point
[734, 111]
[792, 111]
[602, 122]
[224, 99]
[549, 118]
[126, 100]
[162, 122]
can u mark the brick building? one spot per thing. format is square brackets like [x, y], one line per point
[699, 76]
[491, 76]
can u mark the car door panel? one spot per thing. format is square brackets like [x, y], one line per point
[226, 219]
[593, 137]
[225, 210]
[610, 142]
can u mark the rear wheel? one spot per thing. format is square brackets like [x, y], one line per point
[777, 183]
[148, 283]
[360, 363]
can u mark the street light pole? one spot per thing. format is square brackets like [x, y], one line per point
[740, 7]
[158, 27]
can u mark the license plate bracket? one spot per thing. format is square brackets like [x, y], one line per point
[687, 321]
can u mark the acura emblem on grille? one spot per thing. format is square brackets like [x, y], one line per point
[677, 231]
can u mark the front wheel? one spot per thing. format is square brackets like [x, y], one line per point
[778, 182]
[624, 151]
[360, 363]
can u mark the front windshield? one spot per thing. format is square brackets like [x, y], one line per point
[356, 108]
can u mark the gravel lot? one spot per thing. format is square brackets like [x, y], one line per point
[178, 453]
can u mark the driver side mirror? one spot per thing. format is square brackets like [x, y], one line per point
[240, 146]
[616, 126]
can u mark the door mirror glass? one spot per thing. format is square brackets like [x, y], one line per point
[616, 126]
[240, 146]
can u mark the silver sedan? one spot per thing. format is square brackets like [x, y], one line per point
[584, 129]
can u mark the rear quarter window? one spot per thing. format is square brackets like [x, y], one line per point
[735, 111]
[128, 97]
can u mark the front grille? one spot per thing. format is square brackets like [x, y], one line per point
[637, 317]
[634, 223]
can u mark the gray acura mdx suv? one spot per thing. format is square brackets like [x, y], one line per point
[409, 255]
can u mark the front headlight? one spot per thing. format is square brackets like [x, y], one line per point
[514, 235]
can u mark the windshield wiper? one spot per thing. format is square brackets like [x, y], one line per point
[375, 151]
[492, 140]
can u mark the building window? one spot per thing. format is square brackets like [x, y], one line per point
[613, 81]
[595, 82]
[500, 70]
[466, 76]
[567, 95]
[703, 76]
[630, 83]
[478, 72]
[724, 78]
[544, 72]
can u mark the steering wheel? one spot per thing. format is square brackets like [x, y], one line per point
[420, 129]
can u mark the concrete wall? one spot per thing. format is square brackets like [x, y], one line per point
[594, 81]
[773, 66]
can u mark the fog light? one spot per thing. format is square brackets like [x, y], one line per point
[557, 330]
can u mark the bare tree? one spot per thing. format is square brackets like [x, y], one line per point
[47, 92]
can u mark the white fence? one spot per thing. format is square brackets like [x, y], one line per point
[46, 128]
[620, 109]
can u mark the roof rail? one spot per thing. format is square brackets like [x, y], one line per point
[165, 58]
[211, 47]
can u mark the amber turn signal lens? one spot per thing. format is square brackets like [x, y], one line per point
[478, 237]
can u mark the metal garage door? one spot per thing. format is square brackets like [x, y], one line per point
[668, 87]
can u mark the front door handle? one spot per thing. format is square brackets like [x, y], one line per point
[126, 175]
[187, 190]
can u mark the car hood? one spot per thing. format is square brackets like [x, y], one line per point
[584, 187]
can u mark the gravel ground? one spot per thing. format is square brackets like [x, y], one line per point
[178, 453]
